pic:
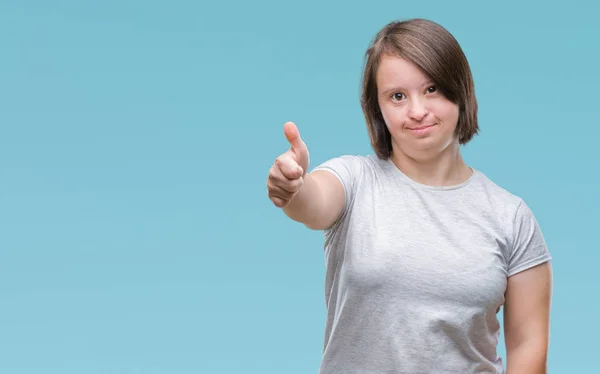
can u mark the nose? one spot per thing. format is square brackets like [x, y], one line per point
[417, 110]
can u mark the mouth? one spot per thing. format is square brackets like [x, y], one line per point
[422, 130]
[421, 127]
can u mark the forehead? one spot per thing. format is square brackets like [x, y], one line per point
[395, 71]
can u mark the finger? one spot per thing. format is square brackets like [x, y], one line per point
[288, 166]
[293, 136]
[280, 203]
[279, 180]
[291, 186]
[281, 186]
[276, 191]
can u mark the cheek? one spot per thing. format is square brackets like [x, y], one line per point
[448, 113]
[393, 116]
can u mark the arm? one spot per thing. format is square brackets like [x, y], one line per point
[319, 202]
[527, 320]
[315, 199]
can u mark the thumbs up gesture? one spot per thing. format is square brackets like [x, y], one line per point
[286, 176]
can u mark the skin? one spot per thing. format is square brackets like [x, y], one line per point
[410, 101]
[315, 199]
[527, 320]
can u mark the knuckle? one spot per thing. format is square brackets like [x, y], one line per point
[279, 202]
[281, 159]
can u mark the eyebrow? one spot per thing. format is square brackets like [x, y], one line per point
[398, 88]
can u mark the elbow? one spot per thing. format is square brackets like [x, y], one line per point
[529, 356]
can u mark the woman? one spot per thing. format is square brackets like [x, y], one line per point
[422, 251]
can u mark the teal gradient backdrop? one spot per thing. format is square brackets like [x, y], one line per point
[135, 140]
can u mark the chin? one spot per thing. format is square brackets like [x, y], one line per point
[424, 149]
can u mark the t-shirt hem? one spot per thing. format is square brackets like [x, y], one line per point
[531, 263]
[339, 177]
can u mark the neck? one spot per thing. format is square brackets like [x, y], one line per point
[446, 169]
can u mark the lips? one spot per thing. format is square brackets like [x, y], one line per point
[422, 131]
[421, 127]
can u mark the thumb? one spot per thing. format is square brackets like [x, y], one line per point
[298, 147]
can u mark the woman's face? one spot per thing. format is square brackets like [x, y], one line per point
[420, 119]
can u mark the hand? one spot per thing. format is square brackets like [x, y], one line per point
[286, 176]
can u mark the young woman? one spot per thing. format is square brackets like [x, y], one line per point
[422, 251]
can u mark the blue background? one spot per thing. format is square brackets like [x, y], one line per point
[135, 140]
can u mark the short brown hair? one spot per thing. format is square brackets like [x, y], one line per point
[437, 53]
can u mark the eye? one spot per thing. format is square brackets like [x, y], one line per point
[431, 89]
[397, 96]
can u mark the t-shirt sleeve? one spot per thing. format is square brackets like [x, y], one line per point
[529, 246]
[348, 170]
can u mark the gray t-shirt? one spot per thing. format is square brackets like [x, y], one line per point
[415, 275]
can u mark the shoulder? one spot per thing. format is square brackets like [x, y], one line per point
[347, 159]
[511, 210]
[498, 196]
[511, 214]
[350, 165]
[526, 243]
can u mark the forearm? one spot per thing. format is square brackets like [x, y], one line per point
[527, 358]
[307, 205]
